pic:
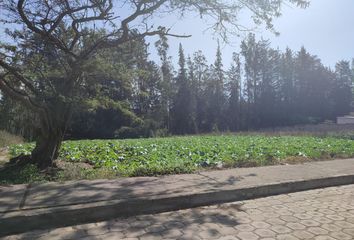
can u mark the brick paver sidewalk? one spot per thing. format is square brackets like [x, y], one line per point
[48, 195]
[316, 214]
[26, 208]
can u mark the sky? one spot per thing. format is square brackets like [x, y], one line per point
[325, 29]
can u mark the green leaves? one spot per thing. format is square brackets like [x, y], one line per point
[144, 157]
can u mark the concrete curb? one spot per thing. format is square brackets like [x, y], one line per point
[43, 218]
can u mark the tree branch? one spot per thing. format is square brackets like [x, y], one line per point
[16, 73]
[13, 93]
[45, 34]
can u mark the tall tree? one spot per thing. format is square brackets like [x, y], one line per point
[216, 94]
[269, 87]
[201, 75]
[342, 92]
[166, 82]
[194, 92]
[255, 55]
[308, 83]
[234, 103]
[182, 105]
[286, 86]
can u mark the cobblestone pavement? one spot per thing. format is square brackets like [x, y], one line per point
[316, 214]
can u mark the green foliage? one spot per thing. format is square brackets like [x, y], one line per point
[101, 118]
[182, 110]
[145, 157]
[23, 174]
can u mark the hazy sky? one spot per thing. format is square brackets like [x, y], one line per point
[325, 29]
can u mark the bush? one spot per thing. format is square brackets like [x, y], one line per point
[128, 132]
[143, 129]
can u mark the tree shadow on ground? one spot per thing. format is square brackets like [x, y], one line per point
[82, 192]
[183, 225]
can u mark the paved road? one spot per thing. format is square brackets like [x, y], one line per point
[317, 214]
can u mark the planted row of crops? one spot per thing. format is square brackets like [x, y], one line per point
[140, 157]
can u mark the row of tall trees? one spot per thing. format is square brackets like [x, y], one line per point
[263, 87]
[131, 96]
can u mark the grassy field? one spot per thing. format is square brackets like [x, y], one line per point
[158, 156]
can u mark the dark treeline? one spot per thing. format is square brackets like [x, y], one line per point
[132, 96]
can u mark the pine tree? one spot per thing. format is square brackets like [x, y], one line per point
[255, 57]
[194, 91]
[216, 95]
[286, 87]
[166, 82]
[342, 93]
[302, 79]
[248, 52]
[201, 75]
[140, 87]
[267, 105]
[234, 108]
[310, 91]
[182, 106]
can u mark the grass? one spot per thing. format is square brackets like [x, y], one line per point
[22, 174]
[7, 139]
[31, 174]
[173, 155]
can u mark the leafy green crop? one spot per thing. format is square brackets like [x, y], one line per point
[142, 157]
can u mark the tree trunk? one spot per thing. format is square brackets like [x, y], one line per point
[47, 149]
[52, 129]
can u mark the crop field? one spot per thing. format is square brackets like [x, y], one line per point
[158, 156]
